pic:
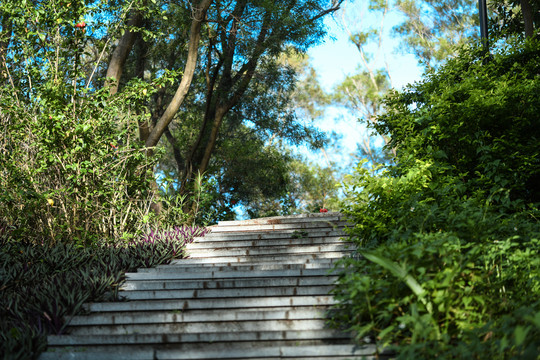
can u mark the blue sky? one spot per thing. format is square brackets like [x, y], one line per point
[336, 57]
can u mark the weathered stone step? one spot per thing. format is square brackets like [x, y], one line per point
[202, 348]
[225, 293]
[200, 327]
[273, 352]
[269, 235]
[198, 304]
[180, 266]
[149, 317]
[227, 284]
[286, 258]
[219, 351]
[170, 274]
[278, 227]
[254, 242]
[236, 337]
[267, 250]
[333, 216]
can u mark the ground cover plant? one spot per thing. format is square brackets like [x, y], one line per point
[43, 286]
[449, 234]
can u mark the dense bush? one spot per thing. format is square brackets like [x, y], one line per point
[72, 167]
[42, 286]
[449, 235]
[72, 177]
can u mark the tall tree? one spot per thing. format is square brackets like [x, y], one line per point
[241, 46]
[241, 79]
[433, 28]
[240, 39]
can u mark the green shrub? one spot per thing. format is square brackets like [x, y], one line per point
[71, 166]
[449, 236]
[78, 178]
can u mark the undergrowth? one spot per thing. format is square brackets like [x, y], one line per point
[43, 286]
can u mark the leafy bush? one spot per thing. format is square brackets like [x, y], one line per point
[44, 285]
[72, 168]
[449, 236]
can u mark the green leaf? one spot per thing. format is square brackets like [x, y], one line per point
[520, 334]
[396, 270]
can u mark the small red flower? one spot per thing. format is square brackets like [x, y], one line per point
[323, 210]
[114, 146]
[80, 25]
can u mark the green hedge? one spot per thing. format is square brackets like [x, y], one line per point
[449, 235]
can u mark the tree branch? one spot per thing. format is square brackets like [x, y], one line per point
[189, 70]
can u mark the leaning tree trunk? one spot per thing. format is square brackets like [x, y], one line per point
[199, 12]
[121, 52]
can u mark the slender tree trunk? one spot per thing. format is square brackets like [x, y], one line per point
[141, 50]
[121, 52]
[210, 145]
[526, 10]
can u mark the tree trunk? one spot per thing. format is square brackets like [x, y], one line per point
[526, 10]
[210, 145]
[199, 12]
[120, 54]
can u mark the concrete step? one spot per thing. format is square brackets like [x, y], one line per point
[203, 347]
[200, 316]
[334, 216]
[269, 235]
[220, 351]
[277, 227]
[198, 304]
[170, 274]
[225, 293]
[200, 327]
[185, 338]
[228, 283]
[267, 250]
[254, 242]
[181, 266]
[274, 258]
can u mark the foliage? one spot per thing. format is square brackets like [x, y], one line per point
[449, 237]
[84, 156]
[308, 98]
[433, 29]
[252, 164]
[72, 167]
[313, 186]
[508, 16]
[363, 93]
[78, 178]
[44, 285]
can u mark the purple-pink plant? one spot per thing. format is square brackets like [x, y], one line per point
[173, 239]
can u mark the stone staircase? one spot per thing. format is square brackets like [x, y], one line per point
[254, 289]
